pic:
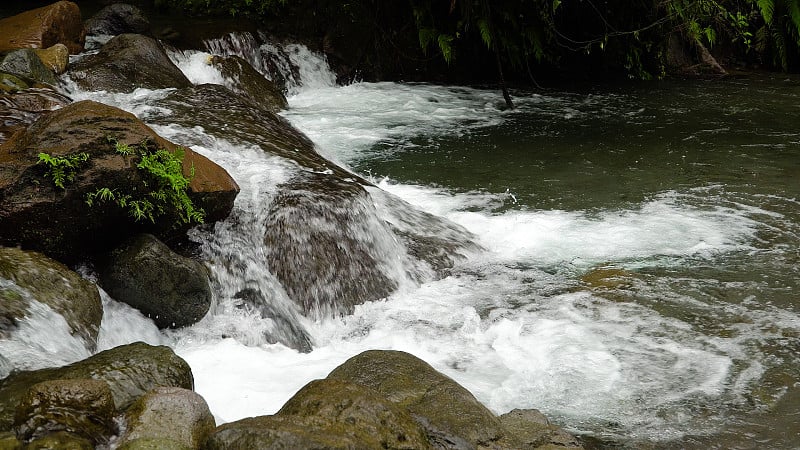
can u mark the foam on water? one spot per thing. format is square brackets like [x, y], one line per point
[506, 325]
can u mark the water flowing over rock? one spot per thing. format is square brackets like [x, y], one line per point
[36, 214]
[44, 27]
[128, 62]
[21, 108]
[118, 18]
[169, 288]
[245, 80]
[168, 413]
[39, 280]
[129, 370]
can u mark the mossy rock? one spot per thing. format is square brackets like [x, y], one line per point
[129, 370]
[61, 441]
[9, 441]
[534, 431]
[169, 413]
[83, 407]
[53, 284]
[26, 63]
[153, 444]
[12, 83]
[450, 414]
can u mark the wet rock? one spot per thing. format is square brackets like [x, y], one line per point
[118, 18]
[326, 414]
[44, 27]
[60, 440]
[129, 370]
[12, 83]
[83, 407]
[55, 58]
[172, 290]
[36, 214]
[128, 62]
[20, 108]
[153, 444]
[53, 284]
[243, 79]
[533, 430]
[450, 414]
[286, 331]
[169, 413]
[26, 63]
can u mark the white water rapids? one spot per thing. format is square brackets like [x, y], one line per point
[510, 324]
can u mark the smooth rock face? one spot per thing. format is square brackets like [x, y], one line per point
[128, 62]
[54, 58]
[118, 18]
[53, 284]
[129, 370]
[243, 79]
[176, 414]
[172, 290]
[83, 407]
[450, 414]
[326, 414]
[26, 63]
[36, 214]
[44, 27]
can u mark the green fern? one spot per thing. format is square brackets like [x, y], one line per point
[62, 169]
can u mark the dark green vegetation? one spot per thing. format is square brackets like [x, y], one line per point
[638, 39]
[164, 186]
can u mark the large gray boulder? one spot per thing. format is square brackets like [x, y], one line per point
[37, 214]
[129, 370]
[127, 62]
[171, 289]
[37, 278]
[118, 18]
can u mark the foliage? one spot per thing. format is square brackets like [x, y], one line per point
[231, 7]
[164, 187]
[62, 169]
[779, 36]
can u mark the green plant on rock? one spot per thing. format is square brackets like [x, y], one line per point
[164, 186]
[62, 169]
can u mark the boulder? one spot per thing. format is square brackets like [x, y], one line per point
[172, 290]
[129, 370]
[243, 79]
[26, 63]
[118, 18]
[534, 431]
[36, 214]
[83, 407]
[176, 414]
[53, 284]
[55, 58]
[450, 414]
[326, 414]
[128, 62]
[153, 444]
[44, 27]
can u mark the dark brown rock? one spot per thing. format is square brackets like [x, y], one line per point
[36, 214]
[243, 79]
[44, 27]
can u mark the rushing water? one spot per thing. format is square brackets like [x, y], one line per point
[638, 276]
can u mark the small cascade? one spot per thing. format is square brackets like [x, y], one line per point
[292, 67]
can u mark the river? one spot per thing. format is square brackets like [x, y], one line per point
[641, 252]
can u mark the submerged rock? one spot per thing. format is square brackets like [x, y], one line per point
[129, 370]
[50, 283]
[172, 290]
[26, 63]
[118, 18]
[36, 214]
[286, 329]
[44, 27]
[128, 62]
[83, 407]
[168, 413]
